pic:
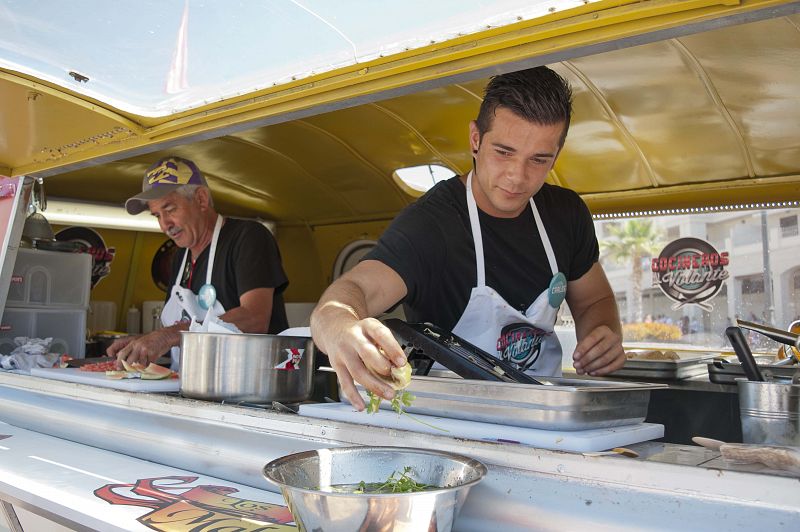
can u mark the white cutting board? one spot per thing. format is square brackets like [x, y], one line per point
[577, 441]
[96, 378]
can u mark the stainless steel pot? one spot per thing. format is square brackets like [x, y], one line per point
[252, 368]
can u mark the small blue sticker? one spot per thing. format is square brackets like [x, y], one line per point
[207, 296]
[558, 290]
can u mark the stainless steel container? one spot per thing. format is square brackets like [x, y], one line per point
[305, 479]
[689, 365]
[770, 412]
[557, 404]
[251, 368]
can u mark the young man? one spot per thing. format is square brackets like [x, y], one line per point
[489, 255]
[233, 264]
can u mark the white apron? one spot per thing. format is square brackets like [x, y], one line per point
[525, 340]
[182, 302]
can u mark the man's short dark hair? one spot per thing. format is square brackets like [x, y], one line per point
[538, 95]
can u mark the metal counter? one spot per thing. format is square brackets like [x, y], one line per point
[526, 488]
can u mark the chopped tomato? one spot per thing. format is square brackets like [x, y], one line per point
[100, 366]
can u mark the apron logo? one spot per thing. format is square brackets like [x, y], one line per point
[295, 355]
[520, 344]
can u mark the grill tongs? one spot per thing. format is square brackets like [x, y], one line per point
[784, 337]
[742, 350]
[425, 343]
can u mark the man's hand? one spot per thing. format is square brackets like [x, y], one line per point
[591, 300]
[599, 353]
[118, 344]
[143, 349]
[358, 349]
[361, 350]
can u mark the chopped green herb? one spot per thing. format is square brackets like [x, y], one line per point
[396, 483]
[401, 400]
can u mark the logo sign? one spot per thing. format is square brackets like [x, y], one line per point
[520, 344]
[174, 504]
[102, 256]
[690, 272]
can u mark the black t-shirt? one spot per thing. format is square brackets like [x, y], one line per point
[430, 246]
[247, 257]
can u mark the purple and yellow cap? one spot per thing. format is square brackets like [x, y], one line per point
[163, 178]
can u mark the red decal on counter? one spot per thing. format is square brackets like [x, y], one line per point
[176, 506]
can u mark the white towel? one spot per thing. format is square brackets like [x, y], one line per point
[29, 353]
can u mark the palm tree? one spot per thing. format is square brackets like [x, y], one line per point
[631, 242]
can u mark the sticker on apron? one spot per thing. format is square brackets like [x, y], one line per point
[558, 290]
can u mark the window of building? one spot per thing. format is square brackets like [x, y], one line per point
[789, 226]
[753, 285]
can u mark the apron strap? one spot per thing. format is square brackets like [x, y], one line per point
[477, 237]
[213, 251]
[548, 249]
[211, 255]
[475, 223]
[180, 270]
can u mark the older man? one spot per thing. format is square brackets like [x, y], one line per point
[233, 266]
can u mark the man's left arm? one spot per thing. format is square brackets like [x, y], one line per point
[258, 273]
[254, 311]
[597, 326]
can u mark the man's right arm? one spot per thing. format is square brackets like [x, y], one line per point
[146, 348]
[343, 328]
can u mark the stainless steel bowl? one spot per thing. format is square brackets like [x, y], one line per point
[770, 412]
[252, 368]
[305, 479]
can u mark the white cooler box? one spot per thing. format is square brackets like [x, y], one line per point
[66, 327]
[50, 279]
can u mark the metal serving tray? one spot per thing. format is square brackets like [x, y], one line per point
[558, 404]
[690, 365]
[728, 372]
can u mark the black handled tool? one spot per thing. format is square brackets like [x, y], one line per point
[742, 350]
[456, 354]
[784, 337]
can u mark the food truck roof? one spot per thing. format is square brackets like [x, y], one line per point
[677, 104]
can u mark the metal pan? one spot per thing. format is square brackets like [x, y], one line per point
[684, 368]
[728, 372]
[556, 404]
